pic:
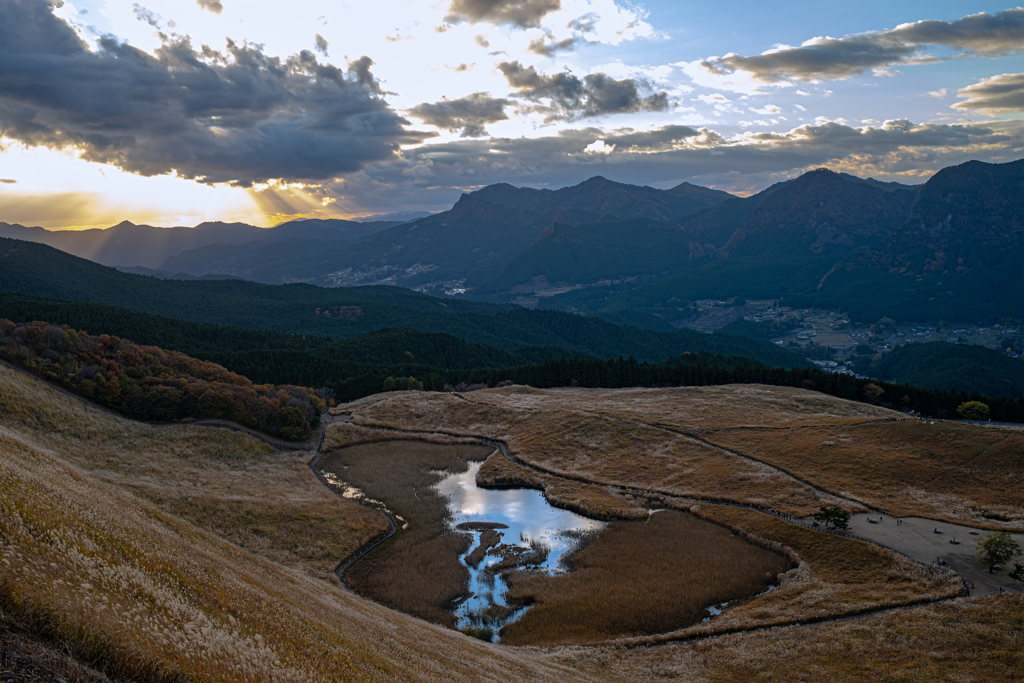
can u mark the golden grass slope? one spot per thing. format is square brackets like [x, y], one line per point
[978, 640]
[95, 557]
[944, 470]
[141, 593]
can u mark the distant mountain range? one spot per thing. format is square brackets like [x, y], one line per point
[129, 245]
[950, 249]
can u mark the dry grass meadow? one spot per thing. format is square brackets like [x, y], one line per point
[978, 640]
[188, 553]
[945, 470]
[776, 447]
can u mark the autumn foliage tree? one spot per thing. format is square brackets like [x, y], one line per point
[150, 383]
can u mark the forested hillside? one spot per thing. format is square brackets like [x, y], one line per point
[346, 313]
[938, 365]
[151, 383]
[957, 257]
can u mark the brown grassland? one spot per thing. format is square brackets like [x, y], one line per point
[980, 640]
[417, 571]
[640, 578]
[771, 446]
[833, 575]
[568, 432]
[187, 553]
[956, 472]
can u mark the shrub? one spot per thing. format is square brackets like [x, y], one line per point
[973, 410]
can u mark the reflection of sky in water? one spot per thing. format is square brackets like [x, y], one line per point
[529, 517]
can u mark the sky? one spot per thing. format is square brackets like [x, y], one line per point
[174, 112]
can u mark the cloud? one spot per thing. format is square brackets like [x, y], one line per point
[547, 45]
[1002, 94]
[599, 147]
[321, 45]
[238, 116]
[898, 150]
[767, 110]
[214, 6]
[8, 181]
[983, 34]
[468, 114]
[565, 97]
[148, 16]
[520, 13]
[939, 94]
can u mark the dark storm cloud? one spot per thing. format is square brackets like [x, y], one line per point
[468, 114]
[521, 13]
[239, 116]
[982, 34]
[214, 6]
[565, 97]
[1002, 94]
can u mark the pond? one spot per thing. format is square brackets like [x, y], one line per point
[532, 534]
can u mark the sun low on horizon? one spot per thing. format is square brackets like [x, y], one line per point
[175, 112]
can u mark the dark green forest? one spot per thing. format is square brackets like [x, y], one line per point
[939, 365]
[401, 358]
[353, 312]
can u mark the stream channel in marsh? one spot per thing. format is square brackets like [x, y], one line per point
[533, 534]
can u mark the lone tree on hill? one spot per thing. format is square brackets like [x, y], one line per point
[996, 548]
[834, 516]
[973, 410]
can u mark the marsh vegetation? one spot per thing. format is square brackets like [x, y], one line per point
[640, 578]
[418, 570]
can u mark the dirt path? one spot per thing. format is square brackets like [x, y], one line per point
[915, 537]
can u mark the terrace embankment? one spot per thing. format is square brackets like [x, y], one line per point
[418, 570]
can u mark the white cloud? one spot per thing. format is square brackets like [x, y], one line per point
[599, 147]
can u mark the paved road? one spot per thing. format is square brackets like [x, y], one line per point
[916, 538]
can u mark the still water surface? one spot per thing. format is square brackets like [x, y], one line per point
[529, 518]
